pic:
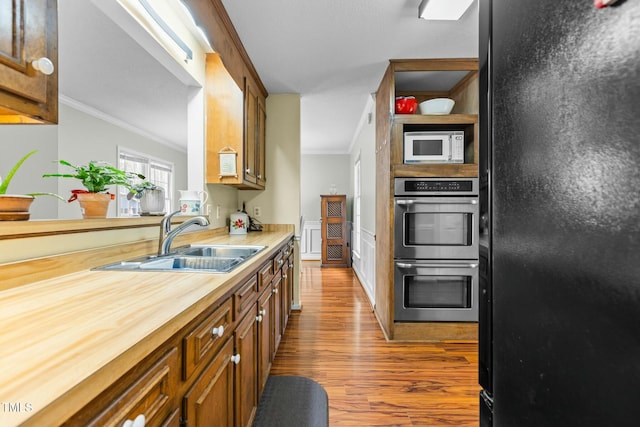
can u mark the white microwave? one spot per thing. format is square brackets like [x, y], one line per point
[434, 147]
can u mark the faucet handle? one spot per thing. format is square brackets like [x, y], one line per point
[166, 221]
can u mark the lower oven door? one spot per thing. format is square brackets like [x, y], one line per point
[436, 291]
[436, 228]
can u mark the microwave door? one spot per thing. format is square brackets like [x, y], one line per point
[426, 149]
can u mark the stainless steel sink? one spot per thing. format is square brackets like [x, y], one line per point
[227, 251]
[191, 258]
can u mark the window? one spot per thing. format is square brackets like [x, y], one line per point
[356, 207]
[156, 171]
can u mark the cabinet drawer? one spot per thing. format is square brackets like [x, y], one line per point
[287, 250]
[278, 261]
[245, 296]
[151, 394]
[207, 338]
[265, 275]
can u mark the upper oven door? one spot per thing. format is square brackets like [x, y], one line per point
[436, 227]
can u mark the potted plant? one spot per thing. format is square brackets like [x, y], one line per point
[16, 206]
[95, 177]
[150, 196]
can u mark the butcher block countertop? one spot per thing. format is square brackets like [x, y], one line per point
[64, 340]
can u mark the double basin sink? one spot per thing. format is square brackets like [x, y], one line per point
[190, 258]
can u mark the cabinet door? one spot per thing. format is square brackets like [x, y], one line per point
[265, 337]
[209, 401]
[287, 289]
[28, 32]
[245, 378]
[276, 313]
[261, 143]
[224, 122]
[251, 128]
[334, 231]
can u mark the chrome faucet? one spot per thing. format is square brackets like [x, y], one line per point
[167, 234]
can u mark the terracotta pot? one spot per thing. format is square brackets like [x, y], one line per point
[94, 205]
[14, 207]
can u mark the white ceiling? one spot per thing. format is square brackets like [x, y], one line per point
[103, 68]
[332, 52]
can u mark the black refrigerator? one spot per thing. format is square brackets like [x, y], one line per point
[559, 341]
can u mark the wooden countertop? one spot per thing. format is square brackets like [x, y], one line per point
[71, 336]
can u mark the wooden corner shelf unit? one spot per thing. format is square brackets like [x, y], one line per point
[390, 128]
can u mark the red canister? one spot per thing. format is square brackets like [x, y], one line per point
[406, 104]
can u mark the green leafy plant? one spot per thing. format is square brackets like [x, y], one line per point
[97, 176]
[4, 184]
[138, 190]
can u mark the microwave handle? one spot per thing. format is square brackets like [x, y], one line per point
[414, 265]
[428, 202]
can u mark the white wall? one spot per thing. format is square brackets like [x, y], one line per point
[318, 173]
[279, 203]
[363, 146]
[15, 142]
[82, 137]
[78, 138]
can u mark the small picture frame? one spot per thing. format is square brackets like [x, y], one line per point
[228, 162]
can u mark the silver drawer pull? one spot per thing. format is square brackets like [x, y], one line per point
[413, 265]
[433, 202]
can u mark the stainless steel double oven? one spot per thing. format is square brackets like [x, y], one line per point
[436, 249]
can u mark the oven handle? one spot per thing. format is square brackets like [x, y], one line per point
[460, 265]
[428, 202]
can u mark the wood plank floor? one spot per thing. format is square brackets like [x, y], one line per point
[336, 341]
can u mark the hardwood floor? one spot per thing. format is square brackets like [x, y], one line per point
[336, 341]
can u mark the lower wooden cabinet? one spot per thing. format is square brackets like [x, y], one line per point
[210, 401]
[276, 317]
[265, 337]
[212, 372]
[246, 370]
[149, 390]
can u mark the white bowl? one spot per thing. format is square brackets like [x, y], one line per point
[437, 106]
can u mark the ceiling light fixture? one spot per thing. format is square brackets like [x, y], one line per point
[142, 11]
[448, 10]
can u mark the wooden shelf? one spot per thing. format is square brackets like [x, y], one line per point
[420, 119]
[466, 170]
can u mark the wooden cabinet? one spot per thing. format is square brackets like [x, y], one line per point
[207, 338]
[335, 251]
[261, 144]
[149, 389]
[287, 285]
[265, 337]
[213, 371]
[28, 32]
[276, 314]
[236, 125]
[246, 370]
[210, 400]
[390, 128]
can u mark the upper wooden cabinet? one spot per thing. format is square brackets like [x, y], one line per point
[28, 32]
[254, 136]
[235, 126]
[236, 98]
